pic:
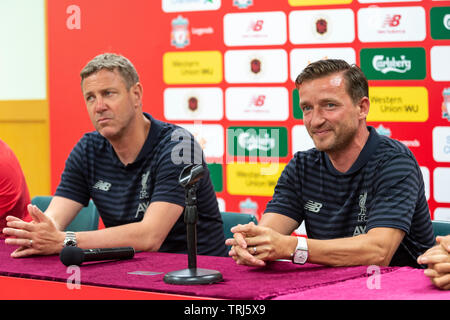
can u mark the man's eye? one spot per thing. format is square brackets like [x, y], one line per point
[306, 108]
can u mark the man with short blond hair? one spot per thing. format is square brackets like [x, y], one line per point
[127, 168]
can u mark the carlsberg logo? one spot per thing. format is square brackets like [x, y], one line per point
[255, 142]
[386, 64]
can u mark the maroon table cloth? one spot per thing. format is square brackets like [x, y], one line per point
[400, 284]
[279, 279]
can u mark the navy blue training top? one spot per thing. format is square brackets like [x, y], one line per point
[383, 188]
[122, 193]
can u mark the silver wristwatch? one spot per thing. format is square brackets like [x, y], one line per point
[300, 254]
[70, 240]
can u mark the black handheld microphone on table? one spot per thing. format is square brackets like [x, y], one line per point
[188, 179]
[76, 256]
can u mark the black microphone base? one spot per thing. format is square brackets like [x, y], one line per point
[193, 276]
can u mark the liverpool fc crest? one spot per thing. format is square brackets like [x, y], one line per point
[180, 33]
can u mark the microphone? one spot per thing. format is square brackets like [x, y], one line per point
[76, 256]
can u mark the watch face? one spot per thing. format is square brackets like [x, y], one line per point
[300, 256]
[70, 243]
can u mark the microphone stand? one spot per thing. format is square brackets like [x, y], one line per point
[192, 275]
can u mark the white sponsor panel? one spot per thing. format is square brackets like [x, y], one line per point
[257, 103]
[440, 66]
[376, 24]
[256, 66]
[255, 28]
[441, 178]
[321, 26]
[441, 144]
[23, 63]
[426, 181]
[193, 103]
[209, 136]
[301, 140]
[300, 58]
[190, 5]
[442, 214]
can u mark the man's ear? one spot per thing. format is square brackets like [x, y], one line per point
[364, 106]
[137, 91]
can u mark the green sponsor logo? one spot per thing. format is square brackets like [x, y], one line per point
[440, 23]
[215, 172]
[257, 141]
[296, 110]
[393, 63]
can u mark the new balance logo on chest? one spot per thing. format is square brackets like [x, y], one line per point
[102, 185]
[313, 206]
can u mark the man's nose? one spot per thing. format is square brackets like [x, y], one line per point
[317, 118]
[100, 105]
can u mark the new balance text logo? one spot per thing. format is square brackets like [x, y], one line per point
[313, 206]
[102, 185]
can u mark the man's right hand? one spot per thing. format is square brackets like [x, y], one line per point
[40, 236]
[253, 245]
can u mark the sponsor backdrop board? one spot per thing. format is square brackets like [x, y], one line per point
[225, 70]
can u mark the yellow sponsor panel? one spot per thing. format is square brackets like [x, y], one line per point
[398, 104]
[256, 179]
[317, 2]
[195, 67]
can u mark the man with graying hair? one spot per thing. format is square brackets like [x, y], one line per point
[360, 194]
[128, 167]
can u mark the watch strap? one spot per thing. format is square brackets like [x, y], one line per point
[301, 244]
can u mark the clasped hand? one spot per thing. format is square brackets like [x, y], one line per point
[438, 261]
[254, 245]
[40, 236]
